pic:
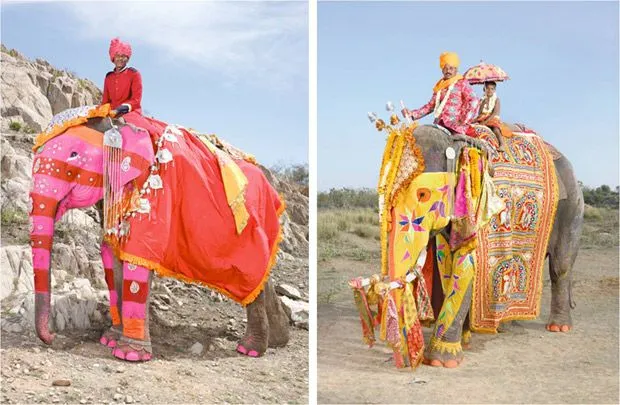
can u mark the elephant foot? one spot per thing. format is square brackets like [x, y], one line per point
[133, 350]
[250, 346]
[553, 327]
[438, 363]
[559, 322]
[443, 354]
[278, 320]
[255, 341]
[110, 337]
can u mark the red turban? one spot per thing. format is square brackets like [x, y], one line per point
[117, 47]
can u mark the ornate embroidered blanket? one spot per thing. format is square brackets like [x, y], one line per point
[511, 250]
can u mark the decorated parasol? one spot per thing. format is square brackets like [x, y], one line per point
[484, 72]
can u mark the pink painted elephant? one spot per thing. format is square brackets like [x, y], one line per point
[68, 172]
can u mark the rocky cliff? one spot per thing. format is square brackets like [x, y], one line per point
[32, 92]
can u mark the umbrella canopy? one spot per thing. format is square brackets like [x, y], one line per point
[484, 72]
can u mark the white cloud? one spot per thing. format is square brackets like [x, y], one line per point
[264, 43]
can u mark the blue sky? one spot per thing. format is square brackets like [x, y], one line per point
[239, 70]
[562, 58]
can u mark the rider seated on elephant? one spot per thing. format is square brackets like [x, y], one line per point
[122, 87]
[454, 102]
[123, 90]
[489, 113]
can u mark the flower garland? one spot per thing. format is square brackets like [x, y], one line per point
[439, 106]
[488, 108]
[395, 146]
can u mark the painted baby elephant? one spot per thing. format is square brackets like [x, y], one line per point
[482, 240]
[176, 205]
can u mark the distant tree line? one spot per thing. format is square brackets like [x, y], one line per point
[348, 198]
[295, 173]
[602, 196]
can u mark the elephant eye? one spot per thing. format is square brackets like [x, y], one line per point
[73, 155]
[424, 194]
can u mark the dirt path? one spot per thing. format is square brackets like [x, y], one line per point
[176, 375]
[525, 364]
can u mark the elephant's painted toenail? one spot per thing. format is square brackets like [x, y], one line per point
[132, 356]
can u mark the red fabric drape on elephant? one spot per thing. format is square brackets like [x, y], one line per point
[190, 232]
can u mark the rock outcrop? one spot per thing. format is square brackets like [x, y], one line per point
[33, 91]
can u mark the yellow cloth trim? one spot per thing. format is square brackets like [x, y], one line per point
[437, 345]
[43, 137]
[235, 184]
[476, 175]
[466, 336]
[410, 312]
[443, 83]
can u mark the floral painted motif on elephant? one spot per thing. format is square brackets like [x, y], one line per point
[456, 280]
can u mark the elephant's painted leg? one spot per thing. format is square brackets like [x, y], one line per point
[255, 341]
[445, 348]
[278, 320]
[111, 336]
[135, 344]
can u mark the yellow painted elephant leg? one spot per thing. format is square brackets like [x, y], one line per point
[445, 347]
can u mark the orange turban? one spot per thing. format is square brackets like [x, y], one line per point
[449, 58]
[117, 47]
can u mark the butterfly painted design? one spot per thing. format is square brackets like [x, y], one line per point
[407, 223]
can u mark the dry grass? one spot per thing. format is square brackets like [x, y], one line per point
[600, 228]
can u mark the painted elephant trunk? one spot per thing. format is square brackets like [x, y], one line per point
[41, 237]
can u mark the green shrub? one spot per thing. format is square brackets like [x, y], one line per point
[13, 216]
[592, 213]
[366, 231]
[295, 173]
[326, 230]
[601, 228]
[15, 125]
[602, 196]
[343, 224]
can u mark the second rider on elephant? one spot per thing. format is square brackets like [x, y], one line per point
[454, 102]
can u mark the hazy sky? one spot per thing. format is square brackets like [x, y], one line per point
[562, 58]
[236, 69]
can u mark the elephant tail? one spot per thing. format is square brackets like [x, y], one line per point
[571, 301]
